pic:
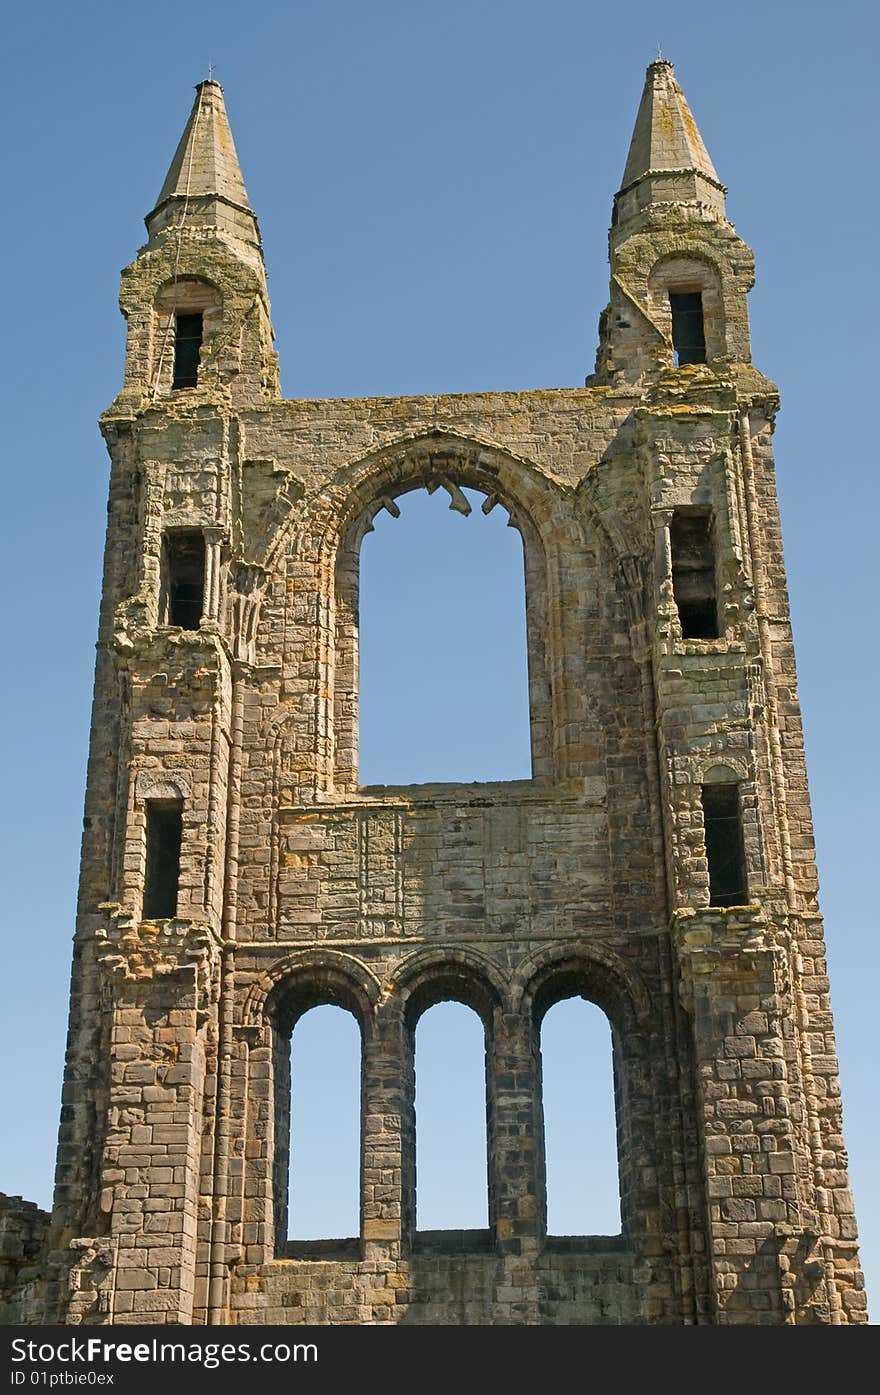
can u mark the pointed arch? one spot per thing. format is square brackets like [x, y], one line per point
[412, 461]
[317, 606]
[335, 523]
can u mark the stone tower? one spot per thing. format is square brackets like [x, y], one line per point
[659, 861]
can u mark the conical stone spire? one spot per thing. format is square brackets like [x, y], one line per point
[665, 135]
[204, 185]
[667, 161]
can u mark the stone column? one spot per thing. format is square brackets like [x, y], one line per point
[213, 543]
[517, 1193]
[388, 1140]
[663, 588]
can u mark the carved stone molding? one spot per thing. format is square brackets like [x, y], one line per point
[162, 784]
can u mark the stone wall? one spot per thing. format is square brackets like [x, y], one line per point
[23, 1229]
[506, 897]
[442, 1290]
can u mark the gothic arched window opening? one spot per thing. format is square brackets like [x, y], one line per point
[444, 684]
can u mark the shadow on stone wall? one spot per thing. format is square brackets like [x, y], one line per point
[23, 1232]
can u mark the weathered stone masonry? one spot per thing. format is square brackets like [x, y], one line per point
[297, 886]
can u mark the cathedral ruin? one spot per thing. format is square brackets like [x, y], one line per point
[235, 873]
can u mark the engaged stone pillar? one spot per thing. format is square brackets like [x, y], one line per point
[214, 538]
[664, 591]
[734, 984]
[662, 520]
[151, 1163]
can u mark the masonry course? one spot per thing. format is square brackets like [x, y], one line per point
[297, 886]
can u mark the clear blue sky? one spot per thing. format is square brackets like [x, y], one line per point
[434, 185]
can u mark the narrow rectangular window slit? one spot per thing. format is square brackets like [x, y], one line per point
[722, 819]
[693, 574]
[164, 834]
[688, 332]
[187, 350]
[183, 568]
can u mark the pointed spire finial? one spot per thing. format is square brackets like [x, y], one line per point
[667, 157]
[204, 185]
[206, 153]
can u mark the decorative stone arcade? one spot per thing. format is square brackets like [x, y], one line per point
[223, 776]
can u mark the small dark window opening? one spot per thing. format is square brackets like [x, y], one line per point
[183, 556]
[693, 574]
[688, 336]
[187, 347]
[722, 817]
[164, 831]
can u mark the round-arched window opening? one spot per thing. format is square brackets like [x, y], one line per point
[580, 1129]
[323, 1128]
[450, 1117]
